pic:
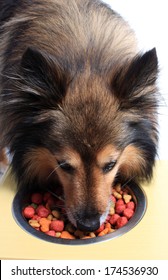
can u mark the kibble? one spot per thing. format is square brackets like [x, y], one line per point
[47, 214]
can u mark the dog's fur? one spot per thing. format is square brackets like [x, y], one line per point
[78, 101]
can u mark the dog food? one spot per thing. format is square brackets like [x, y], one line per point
[47, 214]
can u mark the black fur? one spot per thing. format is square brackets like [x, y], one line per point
[35, 81]
[142, 73]
[7, 9]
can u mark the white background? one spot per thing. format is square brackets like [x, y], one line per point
[149, 19]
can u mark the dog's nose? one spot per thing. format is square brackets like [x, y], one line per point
[89, 224]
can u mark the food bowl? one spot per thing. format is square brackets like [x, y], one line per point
[138, 196]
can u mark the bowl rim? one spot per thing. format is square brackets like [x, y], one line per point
[139, 197]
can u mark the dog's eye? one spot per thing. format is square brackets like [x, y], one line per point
[66, 166]
[109, 166]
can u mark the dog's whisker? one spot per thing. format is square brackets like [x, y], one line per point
[58, 207]
[52, 172]
[55, 169]
[128, 181]
[57, 196]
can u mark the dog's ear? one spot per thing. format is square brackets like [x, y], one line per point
[133, 84]
[42, 72]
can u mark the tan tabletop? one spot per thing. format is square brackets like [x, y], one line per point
[147, 240]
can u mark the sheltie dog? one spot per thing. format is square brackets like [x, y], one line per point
[78, 101]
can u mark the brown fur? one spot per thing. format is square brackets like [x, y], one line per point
[76, 95]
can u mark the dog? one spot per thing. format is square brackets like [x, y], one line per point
[78, 102]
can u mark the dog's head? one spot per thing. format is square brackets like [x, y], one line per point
[86, 130]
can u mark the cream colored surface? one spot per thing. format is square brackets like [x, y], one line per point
[148, 240]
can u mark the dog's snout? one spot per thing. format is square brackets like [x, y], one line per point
[91, 223]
